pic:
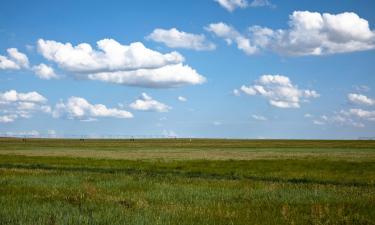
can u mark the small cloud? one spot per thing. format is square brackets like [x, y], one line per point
[279, 91]
[217, 123]
[147, 103]
[182, 99]
[174, 38]
[360, 99]
[79, 108]
[169, 133]
[236, 92]
[258, 117]
[44, 72]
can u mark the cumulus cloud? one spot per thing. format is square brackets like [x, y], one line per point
[79, 108]
[14, 61]
[15, 105]
[231, 5]
[132, 64]
[169, 76]
[259, 117]
[110, 56]
[44, 72]
[230, 35]
[174, 38]
[361, 99]
[182, 98]
[279, 90]
[147, 103]
[313, 33]
[309, 33]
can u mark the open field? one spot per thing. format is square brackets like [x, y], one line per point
[178, 181]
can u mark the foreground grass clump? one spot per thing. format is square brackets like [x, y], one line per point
[314, 189]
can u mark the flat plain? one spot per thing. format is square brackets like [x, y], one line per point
[186, 181]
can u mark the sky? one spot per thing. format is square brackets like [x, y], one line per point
[202, 69]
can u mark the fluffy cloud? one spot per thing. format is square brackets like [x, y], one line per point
[146, 103]
[259, 117]
[230, 34]
[81, 109]
[360, 99]
[165, 77]
[14, 61]
[231, 5]
[110, 56]
[133, 64]
[14, 105]
[181, 99]
[14, 96]
[309, 33]
[279, 91]
[174, 38]
[312, 33]
[44, 72]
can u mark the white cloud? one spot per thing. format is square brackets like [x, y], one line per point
[362, 88]
[236, 92]
[318, 122]
[261, 3]
[15, 105]
[182, 99]
[110, 56]
[147, 103]
[360, 113]
[165, 77]
[312, 33]
[14, 61]
[33, 133]
[133, 64]
[230, 34]
[308, 115]
[231, 5]
[44, 72]
[259, 117]
[353, 117]
[81, 109]
[279, 91]
[174, 38]
[217, 123]
[169, 133]
[14, 96]
[8, 118]
[361, 99]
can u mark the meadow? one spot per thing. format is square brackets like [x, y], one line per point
[186, 181]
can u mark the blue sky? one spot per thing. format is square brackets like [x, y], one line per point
[225, 68]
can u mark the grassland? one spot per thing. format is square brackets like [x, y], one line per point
[178, 181]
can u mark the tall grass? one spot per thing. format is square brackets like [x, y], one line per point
[66, 190]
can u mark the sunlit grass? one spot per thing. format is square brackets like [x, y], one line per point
[317, 189]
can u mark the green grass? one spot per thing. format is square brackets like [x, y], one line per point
[198, 182]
